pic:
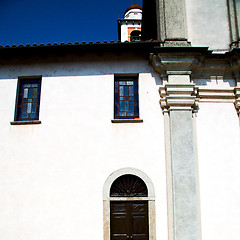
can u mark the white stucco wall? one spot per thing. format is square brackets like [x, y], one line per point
[124, 33]
[208, 24]
[52, 174]
[218, 139]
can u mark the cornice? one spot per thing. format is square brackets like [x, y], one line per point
[206, 94]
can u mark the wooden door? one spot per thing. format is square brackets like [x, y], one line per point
[129, 220]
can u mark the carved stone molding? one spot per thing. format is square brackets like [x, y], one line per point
[178, 97]
[237, 97]
[206, 94]
[181, 60]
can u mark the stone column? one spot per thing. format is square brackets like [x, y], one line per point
[234, 20]
[172, 22]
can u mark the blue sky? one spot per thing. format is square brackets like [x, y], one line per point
[50, 21]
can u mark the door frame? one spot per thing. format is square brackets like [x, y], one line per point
[150, 199]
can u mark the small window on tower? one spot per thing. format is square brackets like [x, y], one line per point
[28, 99]
[126, 98]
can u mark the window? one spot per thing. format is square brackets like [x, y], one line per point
[28, 99]
[128, 185]
[126, 98]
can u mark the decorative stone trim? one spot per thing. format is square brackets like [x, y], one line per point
[215, 94]
[25, 122]
[111, 178]
[178, 96]
[237, 101]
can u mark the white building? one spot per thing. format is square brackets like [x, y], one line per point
[125, 140]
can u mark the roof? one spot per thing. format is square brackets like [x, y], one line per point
[143, 47]
[133, 6]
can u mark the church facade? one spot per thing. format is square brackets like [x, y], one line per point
[134, 139]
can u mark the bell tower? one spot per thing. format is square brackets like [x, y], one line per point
[129, 28]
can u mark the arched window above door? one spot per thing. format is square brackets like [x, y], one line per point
[128, 186]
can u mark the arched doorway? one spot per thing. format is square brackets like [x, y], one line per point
[129, 219]
[129, 206]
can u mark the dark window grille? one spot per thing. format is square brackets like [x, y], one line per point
[128, 186]
[28, 100]
[126, 98]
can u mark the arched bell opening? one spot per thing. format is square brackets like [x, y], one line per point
[135, 36]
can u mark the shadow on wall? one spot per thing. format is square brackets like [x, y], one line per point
[215, 82]
[75, 65]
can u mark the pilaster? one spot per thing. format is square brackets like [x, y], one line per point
[172, 23]
[234, 20]
[178, 102]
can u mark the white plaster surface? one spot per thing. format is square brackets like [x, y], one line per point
[207, 23]
[124, 33]
[52, 174]
[218, 139]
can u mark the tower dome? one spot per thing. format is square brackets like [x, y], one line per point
[134, 11]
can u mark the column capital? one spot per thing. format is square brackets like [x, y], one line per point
[176, 96]
[177, 60]
[235, 64]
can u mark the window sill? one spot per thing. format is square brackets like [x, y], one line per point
[25, 122]
[126, 120]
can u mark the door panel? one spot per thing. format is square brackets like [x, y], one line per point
[129, 220]
[119, 221]
[139, 221]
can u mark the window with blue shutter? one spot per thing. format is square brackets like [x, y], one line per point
[126, 98]
[28, 100]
